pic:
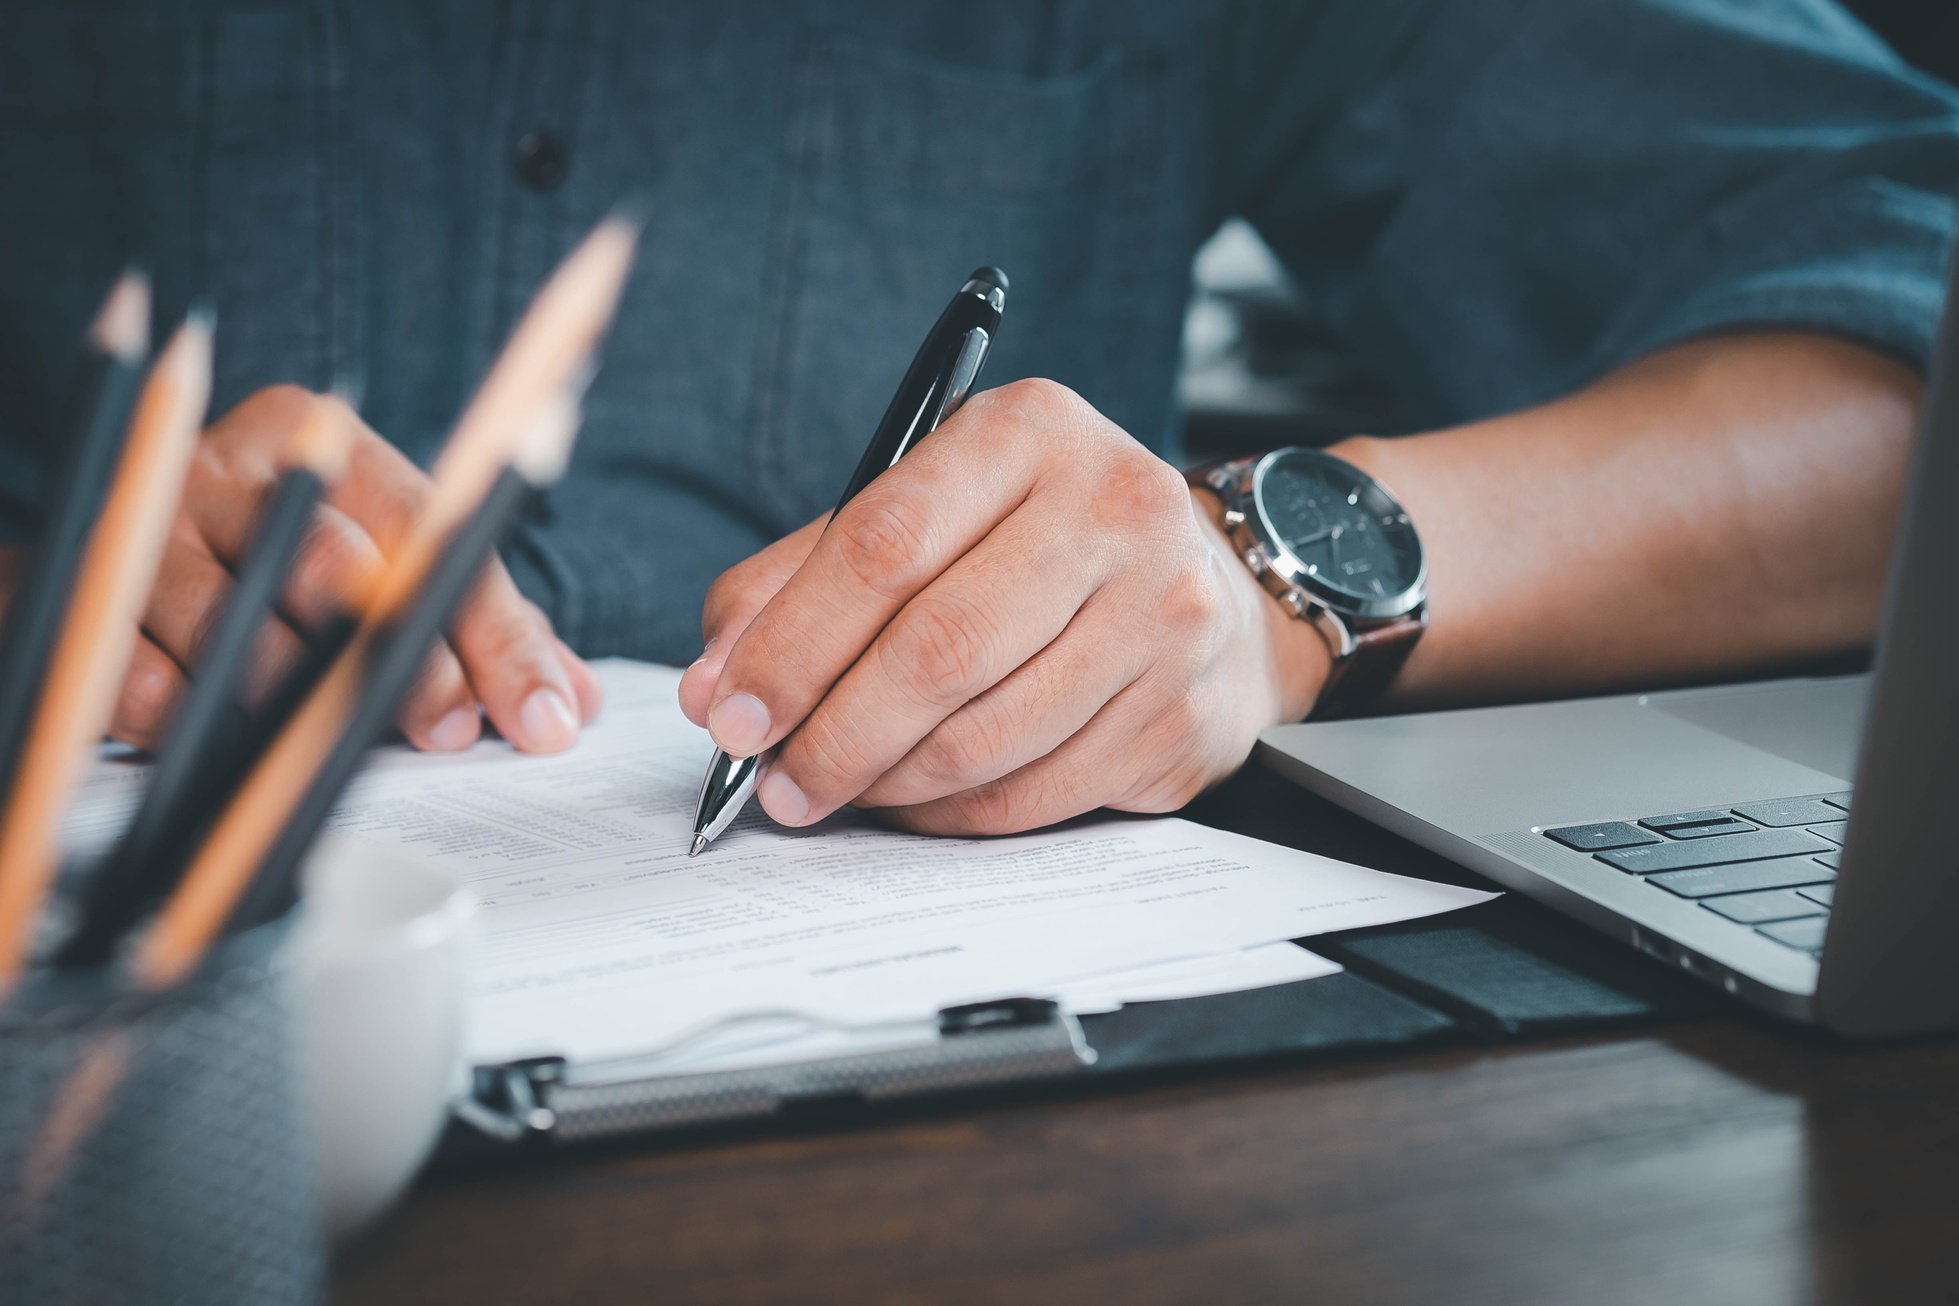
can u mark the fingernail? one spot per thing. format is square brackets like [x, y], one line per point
[548, 722]
[706, 649]
[740, 724]
[782, 799]
[456, 730]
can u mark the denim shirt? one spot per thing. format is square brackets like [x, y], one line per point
[1493, 201]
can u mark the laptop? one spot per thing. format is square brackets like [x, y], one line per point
[1794, 842]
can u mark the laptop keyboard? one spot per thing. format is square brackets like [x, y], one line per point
[1771, 866]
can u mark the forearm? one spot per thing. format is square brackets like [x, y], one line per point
[1722, 506]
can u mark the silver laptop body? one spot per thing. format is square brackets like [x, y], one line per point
[1621, 811]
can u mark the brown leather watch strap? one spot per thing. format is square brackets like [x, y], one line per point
[1365, 674]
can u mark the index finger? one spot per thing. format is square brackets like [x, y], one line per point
[880, 550]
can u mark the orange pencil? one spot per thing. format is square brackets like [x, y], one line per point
[550, 349]
[99, 631]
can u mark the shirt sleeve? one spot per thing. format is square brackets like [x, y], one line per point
[1515, 196]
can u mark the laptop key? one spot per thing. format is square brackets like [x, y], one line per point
[1832, 859]
[1748, 877]
[1753, 846]
[1603, 834]
[1831, 830]
[1677, 820]
[1823, 893]
[1806, 934]
[1729, 826]
[1838, 800]
[1695, 825]
[1759, 908]
[1790, 811]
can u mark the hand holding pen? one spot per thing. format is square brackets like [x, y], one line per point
[940, 377]
[1030, 617]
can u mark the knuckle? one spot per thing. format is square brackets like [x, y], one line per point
[938, 647]
[332, 558]
[877, 537]
[993, 808]
[437, 682]
[967, 745]
[343, 412]
[1141, 487]
[734, 590]
[149, 692]
[207, 472]
[1038, 400]
[1190, 605]
[823, 753]
[276, 409]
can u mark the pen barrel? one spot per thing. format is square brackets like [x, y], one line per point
[941, 374]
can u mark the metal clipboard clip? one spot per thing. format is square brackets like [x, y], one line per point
[1012, 1040]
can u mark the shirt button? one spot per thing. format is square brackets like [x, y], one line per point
[541, 160]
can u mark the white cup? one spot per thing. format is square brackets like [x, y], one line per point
[380, 941]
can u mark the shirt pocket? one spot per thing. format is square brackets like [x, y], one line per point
[900, 175]
[196, 140]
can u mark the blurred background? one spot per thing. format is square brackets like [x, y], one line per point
[1260, 371]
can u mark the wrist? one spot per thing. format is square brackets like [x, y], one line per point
[1295, 656]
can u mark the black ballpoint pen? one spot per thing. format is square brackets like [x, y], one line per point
[940, 377]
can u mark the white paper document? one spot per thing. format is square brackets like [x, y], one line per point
[599, 938]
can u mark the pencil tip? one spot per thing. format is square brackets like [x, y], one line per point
[631, 211]
[122, 327]
[546, 450]
[698, 846]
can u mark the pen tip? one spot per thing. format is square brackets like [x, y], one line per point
[700, 844]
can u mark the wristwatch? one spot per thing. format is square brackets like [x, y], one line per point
[1331, 544]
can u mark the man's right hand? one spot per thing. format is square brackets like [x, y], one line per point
[501, 658]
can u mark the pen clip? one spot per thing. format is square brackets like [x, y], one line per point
[960, 377]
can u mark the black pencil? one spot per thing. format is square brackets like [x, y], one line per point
[99, 405]
[396, 661]
[209, 745]
[551, 347]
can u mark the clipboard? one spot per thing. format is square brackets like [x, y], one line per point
[1500, 972]
[1503, 971]
[547, 1100]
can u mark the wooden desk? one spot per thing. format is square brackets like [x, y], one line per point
[1717, 1160]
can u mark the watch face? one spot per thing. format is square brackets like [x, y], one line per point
[1348, 538]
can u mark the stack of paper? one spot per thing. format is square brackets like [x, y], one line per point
[601, 939]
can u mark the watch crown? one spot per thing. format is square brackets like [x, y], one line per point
[1233, 517]
[1255, 560]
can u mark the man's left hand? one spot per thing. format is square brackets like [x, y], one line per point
[1029, 617]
